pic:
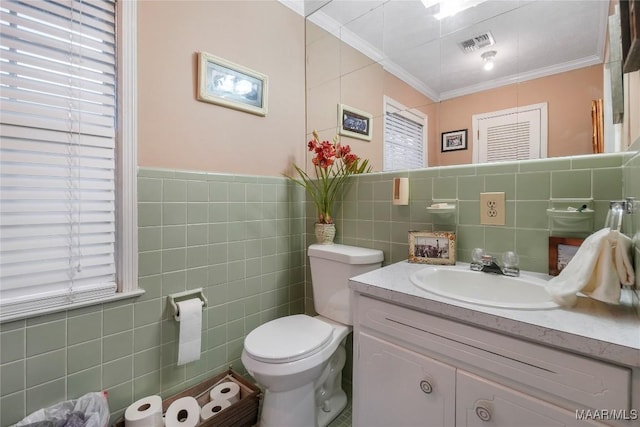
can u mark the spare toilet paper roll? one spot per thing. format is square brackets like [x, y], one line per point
[212, 408]
[146, 412]
[183, 412]
[190, 319]
[228, 391]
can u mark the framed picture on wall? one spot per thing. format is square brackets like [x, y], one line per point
[454, 140]
[231, 85]
[561, 251]
[354, 123]
[432, 247]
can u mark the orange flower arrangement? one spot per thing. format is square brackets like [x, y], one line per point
[333, 163]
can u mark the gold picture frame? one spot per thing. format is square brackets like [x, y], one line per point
[432, 247]
[231, 85]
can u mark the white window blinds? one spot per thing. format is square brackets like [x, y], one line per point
[57, 147]
[403, 138]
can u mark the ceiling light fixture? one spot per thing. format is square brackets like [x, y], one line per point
[488, 58]
[450, 7]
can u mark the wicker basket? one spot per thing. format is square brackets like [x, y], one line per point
[243, 413]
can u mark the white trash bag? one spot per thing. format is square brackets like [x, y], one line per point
[90, 410]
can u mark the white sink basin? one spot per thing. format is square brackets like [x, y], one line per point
[526, 292]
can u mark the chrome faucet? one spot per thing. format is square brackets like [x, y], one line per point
[487, 263]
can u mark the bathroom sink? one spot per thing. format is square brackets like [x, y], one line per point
[526, 292]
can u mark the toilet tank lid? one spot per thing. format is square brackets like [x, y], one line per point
[346, 254]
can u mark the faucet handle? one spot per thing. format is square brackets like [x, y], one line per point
[477, 254]
[510, 260]
[476, 259]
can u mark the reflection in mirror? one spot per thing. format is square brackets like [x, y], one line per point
[420, 68]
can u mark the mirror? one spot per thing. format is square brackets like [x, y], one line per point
[413, 56]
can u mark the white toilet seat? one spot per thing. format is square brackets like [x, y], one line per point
[288, 339]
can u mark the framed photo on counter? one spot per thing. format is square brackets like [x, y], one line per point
[432, 247]
[561, 251]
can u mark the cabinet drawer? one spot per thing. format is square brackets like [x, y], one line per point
[480, 402]
[570, 377]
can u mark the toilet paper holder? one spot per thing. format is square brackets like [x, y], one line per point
[173, 299]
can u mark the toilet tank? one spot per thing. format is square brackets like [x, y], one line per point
[331, 268]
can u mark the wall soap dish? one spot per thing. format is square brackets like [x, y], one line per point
[443, 211]
[571, 217]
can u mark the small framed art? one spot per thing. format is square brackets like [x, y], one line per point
[454, 140]
[561, 251]
[354, 123]
[231, 85]
[432, 247]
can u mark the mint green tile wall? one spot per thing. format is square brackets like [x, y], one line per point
[242, 239]
[366, 217]
[238, 237]
[631, 187]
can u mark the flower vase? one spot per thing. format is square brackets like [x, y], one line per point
[325, 233]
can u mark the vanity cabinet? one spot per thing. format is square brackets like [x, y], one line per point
[399, 384]
[415, 369]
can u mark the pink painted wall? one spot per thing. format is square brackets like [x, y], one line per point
[177, 131]
[337, 73]
[568, 96]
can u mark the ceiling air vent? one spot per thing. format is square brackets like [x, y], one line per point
[477, 42]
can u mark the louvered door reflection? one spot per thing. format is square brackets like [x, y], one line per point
[511, 135]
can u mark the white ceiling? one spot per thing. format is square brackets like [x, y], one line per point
[533, 38]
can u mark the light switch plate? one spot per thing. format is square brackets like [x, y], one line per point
[492, 208]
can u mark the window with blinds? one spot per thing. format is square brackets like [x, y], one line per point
[404, 137]
[57, 148]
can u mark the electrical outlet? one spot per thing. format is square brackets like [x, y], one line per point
[492, 208]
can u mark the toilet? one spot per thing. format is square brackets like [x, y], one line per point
[298, 359]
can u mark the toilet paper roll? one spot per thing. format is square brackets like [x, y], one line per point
[146, 412]
[228, 391]
[189, 341]
[183, 412]
[212, 408]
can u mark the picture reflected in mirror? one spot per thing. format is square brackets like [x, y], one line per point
[362, 53]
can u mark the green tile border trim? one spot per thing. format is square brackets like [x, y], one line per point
[151, 172]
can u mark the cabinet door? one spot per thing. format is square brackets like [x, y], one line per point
[482, 403]
[397, 387]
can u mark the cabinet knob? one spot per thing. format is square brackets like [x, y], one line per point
[483, 410]
[426, 387]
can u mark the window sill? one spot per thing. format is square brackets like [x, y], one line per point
[115, 297]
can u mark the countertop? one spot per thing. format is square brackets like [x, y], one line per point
[591, 328]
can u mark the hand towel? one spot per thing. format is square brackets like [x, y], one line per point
[599, 266]
[624, 265]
